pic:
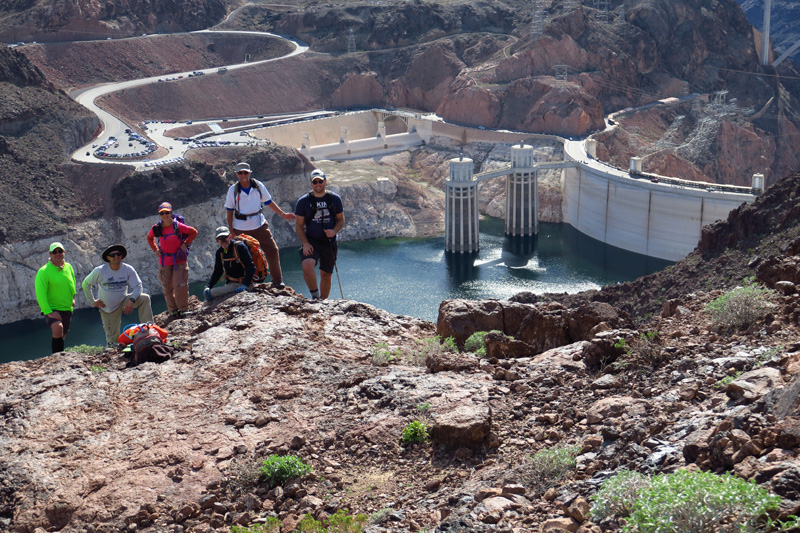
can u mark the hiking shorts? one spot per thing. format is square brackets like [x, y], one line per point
[324, 254]
[66, 318]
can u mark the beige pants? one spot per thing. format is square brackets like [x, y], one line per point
[175, 283]
[112, 320]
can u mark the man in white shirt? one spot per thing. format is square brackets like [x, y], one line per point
[113, 280]
[244, 203]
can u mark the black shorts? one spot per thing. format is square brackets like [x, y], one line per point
[324, 254]
[66, 318]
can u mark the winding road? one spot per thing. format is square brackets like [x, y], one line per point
[114, 127]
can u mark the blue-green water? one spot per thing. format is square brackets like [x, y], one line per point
[411, 277]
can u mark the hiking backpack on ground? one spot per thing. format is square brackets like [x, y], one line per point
[259, 259]
[148, 345]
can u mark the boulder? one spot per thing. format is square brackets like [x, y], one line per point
[465, 426]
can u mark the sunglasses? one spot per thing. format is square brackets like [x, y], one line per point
[115, 254]
[223, 239]
[54, 252]
[317, 182]
[242, 172]
[165, 213]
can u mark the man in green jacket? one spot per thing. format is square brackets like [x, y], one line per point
[55, 291]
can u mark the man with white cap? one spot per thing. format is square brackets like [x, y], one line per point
[320, 217]
[114, 280]
[55, 293]
[244, 203]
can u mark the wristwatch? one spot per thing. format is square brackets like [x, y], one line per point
[132, 300]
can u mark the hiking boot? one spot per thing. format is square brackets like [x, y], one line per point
[207, 294]
[278, 284]
[176, 314]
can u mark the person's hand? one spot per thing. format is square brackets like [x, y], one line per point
[100, 304]
[184, 247]
[329, 233]
[128, 309]
[240, 289]
[156, 252]
[289, 216]
[54, 314]
[308, 249]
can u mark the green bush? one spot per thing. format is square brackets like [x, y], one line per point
[700, 501]
[618, 494]
[97, 369]
[383, 356]
[278, 469]
[741, 307]
[548, 467]
[85, 349]
[415, 431]
[475, 344]
[644, 350]
[273, 525]
[339, 522]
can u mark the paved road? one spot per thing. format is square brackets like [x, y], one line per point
[114, 127]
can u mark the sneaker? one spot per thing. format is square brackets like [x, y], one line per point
[278, 284]
[207, 294]
[176, 314]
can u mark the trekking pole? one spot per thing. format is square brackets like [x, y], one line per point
[336, 268]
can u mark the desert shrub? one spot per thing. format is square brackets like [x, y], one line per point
[431, 346]
[273, 525]
[383, 356]
[85, 349]
[741, 307]
[415, 431]
[98, 369]
[380, 516]
[474, 343]
[243, 475]
[618, 494]
[700, 501]
[644, 350]
[278, 469]
[339, 522]
[548, 467]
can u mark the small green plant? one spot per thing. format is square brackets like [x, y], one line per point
[379, 517]
[383, 356]
[618, 494]
[741, 307]
[727, 380]
[339, 522]
[97, 369]
[475, 344]
[644, 350]
[278, 469]
[273, 525]
[432, 346]
[548, 467]
[85, 349]
[415, 431]
[243, 475]
[424, 407]
[700, 501]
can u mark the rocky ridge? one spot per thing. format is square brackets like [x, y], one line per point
[94, 446]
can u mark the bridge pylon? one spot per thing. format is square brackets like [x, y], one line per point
[461, 208]
[522, 193]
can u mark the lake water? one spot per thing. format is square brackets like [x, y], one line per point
[410, 277]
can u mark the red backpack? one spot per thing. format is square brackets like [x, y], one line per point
[259, 259]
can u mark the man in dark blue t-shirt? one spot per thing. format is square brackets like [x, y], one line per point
[320, 216]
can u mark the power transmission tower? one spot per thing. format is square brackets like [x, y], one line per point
[538, 18]
[601, 7]
[351, 42]
[561, 73]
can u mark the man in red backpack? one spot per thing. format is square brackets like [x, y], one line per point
[234, 259]
[244, 203]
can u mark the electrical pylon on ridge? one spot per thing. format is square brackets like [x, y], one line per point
[538, 18]
[351, 42]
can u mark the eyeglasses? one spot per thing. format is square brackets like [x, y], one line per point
[317, 182]
[54, 252]
[115, 254]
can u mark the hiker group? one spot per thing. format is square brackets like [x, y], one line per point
[247, 254]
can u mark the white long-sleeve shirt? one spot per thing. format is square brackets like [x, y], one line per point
[112, 285]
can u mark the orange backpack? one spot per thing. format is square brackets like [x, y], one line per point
[259, 259]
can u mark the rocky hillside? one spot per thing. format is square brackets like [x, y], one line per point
[90, 445]
[68, 20]
[39, 127]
